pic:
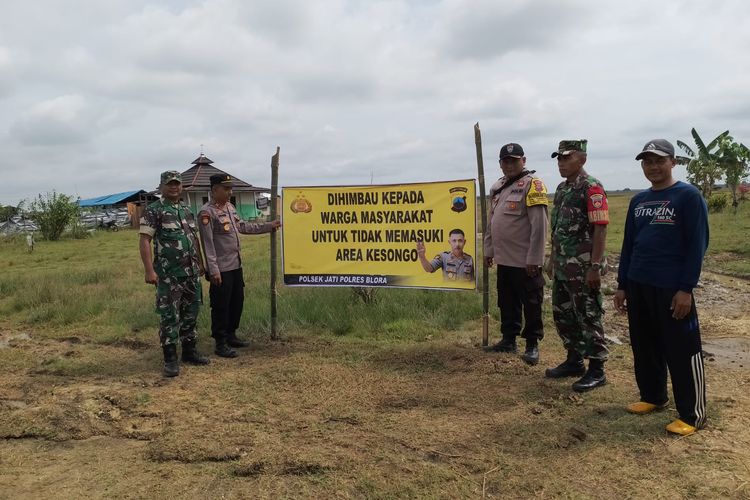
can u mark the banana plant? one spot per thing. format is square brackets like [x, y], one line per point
[734, 159]
[704, 168]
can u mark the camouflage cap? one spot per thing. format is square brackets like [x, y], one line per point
[171, 175]
[567, 147]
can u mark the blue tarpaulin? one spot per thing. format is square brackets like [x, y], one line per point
[110, 199]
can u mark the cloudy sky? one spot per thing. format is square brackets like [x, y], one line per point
[100, 96]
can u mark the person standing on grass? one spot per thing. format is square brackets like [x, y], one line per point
[175, 268]
[579, 230]
[220, 229]
[666, 237]
[515, 243]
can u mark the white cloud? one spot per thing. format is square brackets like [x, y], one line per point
[101, 96]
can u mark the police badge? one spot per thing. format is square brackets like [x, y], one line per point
[301, 204]
[458, 202]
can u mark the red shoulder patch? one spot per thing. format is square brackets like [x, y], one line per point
[597, 207]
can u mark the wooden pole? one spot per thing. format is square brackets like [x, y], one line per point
[485, 269]
[274, 216]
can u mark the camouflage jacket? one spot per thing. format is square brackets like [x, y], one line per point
[172, 227]
[578, 207]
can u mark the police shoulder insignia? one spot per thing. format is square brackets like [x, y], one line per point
[537, 194]
[205, 219]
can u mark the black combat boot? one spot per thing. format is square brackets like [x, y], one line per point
[191, 355]
[572, 367]
[223, 350]
[507, 344]
[594, 377]
[234, 341]
[531, 355]
[171, 365]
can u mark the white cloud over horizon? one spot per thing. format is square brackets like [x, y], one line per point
[102, 97]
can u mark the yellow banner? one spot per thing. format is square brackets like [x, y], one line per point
[405, 235]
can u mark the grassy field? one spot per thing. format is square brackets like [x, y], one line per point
[729, 245]
[392, 399]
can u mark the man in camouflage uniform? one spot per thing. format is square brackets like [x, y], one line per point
[220, 228]
[579, 228]
[456, 264]
[174, 267]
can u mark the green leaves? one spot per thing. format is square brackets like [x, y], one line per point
[53, 212]
[722, 157]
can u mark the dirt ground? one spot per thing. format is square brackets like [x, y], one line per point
[325, 417]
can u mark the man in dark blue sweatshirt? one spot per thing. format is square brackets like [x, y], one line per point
[666, 236]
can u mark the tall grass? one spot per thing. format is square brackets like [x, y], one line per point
[95, 288]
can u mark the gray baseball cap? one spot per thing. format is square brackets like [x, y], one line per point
[661, 147]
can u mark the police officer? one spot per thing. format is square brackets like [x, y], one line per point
[579, 229]
[456, 264]
[174, 267]
[220, 227]
[515, 242]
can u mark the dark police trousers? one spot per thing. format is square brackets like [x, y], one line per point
[226, 303]
[661, 342]
[520, 296]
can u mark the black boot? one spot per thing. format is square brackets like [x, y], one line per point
[171, 365]
[531, 355]
[507, 344]
[223, 350]
[191, 355]
[234, 341]
[594, 377]
[571, 367]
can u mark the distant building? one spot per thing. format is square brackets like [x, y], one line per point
[120, 208]
[117, 200]
[196, 190]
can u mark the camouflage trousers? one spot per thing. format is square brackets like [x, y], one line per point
[577, 311]
[178, 301]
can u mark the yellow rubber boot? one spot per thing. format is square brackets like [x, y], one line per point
[642, 408]
[681, 428]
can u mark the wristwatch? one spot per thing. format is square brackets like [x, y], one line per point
[597, 266]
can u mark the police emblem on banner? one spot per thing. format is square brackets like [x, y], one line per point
[597, 200]
[458, 198]
[301, 205]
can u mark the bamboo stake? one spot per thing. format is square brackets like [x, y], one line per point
[274, 216]
[485, 269]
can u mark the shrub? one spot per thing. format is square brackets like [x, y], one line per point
[53, 212]
[718, 202]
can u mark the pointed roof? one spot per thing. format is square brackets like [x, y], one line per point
[197, 177]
